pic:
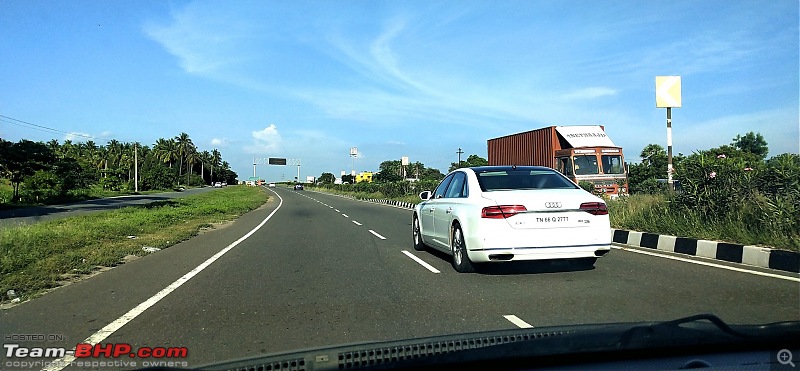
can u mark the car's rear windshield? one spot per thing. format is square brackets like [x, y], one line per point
[522, 179]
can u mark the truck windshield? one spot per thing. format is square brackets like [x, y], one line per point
[565, 166]
[585, 164]
[612, 164]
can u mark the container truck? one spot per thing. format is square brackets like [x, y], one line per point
[582, 153]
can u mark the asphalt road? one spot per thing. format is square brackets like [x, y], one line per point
[325, 270]
[30, 215]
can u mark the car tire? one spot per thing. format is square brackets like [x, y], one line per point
[416, 236]
[461, 262]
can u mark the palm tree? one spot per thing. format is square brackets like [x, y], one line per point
[114, 153]
[216, 157]
[191, 158]
[205, 157]
[53, 146]
[165, 150]
[101, 161]
[184, 144]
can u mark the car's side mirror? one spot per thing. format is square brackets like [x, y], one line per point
[425, 195]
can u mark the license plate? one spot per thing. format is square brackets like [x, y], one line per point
[552, 219]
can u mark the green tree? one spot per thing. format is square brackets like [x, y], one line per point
[326, 178]
[192, 158]
[752, 143]
[205, 158]
[166, 151]
[390, 171]
[643, 177]
[216, 160]
[43, 185]
[471, 161]
[184, 145]
[23, 159]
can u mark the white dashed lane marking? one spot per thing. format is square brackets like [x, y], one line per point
[517, 321]
[421, 262]
[377, 235]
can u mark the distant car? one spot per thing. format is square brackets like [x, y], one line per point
[298, 187]
[272, 185]
[224, 184]
[218, 185]
[510, 213]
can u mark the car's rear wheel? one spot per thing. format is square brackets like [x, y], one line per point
[418, 244]
[461, 261]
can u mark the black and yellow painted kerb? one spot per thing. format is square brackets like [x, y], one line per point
[752, 255]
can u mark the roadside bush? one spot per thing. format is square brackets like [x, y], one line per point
[713, 185]
[42, 186]
[746, 200]
[157, 176]
[649, 186]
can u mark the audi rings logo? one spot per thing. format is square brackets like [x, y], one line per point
[552, 205]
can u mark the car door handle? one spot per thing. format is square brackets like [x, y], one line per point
[449, 210]
[431, 209]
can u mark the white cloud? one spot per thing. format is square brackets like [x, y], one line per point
[106, 134]
[265, 141]
[219, 142]
[78, 137]
[589, 93]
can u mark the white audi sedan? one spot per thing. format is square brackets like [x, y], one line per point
[510, 213]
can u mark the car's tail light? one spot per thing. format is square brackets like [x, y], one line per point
[502, 211]
[595, 208]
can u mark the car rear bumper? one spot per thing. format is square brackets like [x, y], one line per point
[538, 253]
[507, 244]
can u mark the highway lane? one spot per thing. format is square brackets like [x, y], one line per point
[35, 214]
[327, 270]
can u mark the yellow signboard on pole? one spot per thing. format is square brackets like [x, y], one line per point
[668, 91]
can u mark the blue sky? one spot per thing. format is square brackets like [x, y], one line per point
[309, 79]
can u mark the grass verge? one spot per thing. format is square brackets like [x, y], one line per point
[366, 195]
[40, 256]
[651, 213]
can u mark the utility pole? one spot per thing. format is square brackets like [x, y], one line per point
[459, 157]
[135, 168]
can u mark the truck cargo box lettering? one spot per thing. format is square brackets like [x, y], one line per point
[581, 152]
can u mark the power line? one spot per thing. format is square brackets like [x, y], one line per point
[30, 125]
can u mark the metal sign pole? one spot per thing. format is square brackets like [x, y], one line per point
[668, 95]
[669, 149]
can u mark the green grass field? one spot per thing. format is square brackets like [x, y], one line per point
[38, 256]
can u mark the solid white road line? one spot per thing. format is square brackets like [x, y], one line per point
[772, 275]
[517, 321]
[421, 262]
[356, 223]
[112, 327]
[377, 235]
